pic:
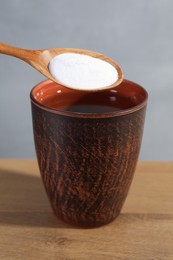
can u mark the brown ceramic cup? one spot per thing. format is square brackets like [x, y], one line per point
[87, 149]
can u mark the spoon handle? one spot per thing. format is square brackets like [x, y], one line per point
[22, 54]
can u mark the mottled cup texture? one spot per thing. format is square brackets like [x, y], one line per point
[87, 160]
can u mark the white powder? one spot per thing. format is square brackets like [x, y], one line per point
[80, 71]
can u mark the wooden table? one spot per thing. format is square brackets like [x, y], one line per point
[29, 230]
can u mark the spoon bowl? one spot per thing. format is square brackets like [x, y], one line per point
[40, 59]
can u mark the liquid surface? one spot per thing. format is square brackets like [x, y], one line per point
[101, 102]
[84, 108]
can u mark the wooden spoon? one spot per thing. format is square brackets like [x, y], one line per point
[39, 59]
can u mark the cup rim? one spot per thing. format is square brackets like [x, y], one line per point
[88, 115]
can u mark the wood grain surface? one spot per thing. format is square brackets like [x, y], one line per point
[29, 230]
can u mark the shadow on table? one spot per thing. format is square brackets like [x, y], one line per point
[23, 201]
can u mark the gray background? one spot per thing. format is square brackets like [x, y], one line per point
[138, 34]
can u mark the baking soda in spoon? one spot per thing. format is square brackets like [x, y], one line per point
[73, 68]
[80, 71]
